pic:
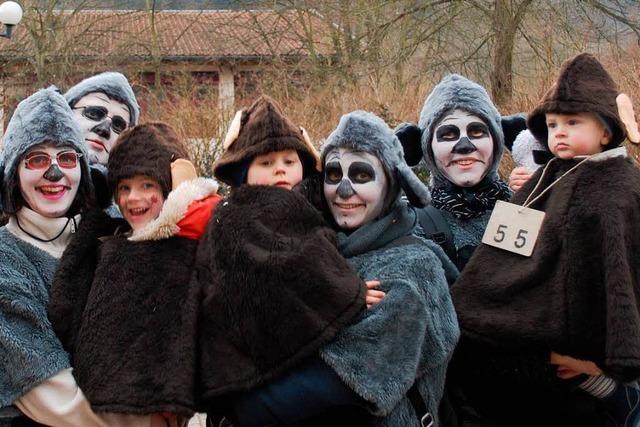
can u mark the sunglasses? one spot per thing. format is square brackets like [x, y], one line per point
[98, 113]
[41, 160]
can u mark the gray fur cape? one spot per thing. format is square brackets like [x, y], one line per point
[410, 335]
[30, 352]
[275, 289]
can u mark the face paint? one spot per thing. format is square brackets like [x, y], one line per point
[462, 148]
[355, 187]
[49, 192]
[140, 200]
[99, 135]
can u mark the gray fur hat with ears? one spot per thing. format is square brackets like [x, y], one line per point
[457, 92]
[43, 117]
[366, 132]
[114, 85]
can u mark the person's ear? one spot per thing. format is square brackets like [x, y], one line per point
[410, 137]
[605, 138]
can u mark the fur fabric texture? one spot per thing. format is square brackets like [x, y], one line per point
[275, 288]
[410, 335]
[30, 352]
[582, 86]
[263, 129]
[577, 293]
[127, 311]
[364, 131]
[113, 84]
[42, 117]
[456, 92]
[524, 148]
[147, 149]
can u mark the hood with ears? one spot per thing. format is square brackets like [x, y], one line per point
[43, 117]
[366, 132]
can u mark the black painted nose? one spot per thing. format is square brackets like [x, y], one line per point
[53, 174]
[345, 190]
[464, 146]
[103, 129]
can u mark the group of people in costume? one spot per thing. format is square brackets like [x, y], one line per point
[327, 287]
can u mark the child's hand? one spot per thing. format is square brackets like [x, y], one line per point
[518, 177]
[373, 296]
[568, 367]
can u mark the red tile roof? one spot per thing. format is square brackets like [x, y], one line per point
[206, 35]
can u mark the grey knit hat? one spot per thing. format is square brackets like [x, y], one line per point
[456, 92]
[113, 84]
[366, 132]
[43, 117]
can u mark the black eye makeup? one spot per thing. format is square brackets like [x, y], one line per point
[361, 172]
[477, 130]
[332, 173]
[447, 133]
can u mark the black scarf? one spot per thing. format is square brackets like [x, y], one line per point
[467, 203]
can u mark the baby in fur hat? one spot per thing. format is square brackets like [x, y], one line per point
[275, 288]
[536, 327]
[121, 301]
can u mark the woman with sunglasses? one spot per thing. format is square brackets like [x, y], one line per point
[45, 182]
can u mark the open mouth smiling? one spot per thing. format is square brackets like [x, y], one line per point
[138, 211]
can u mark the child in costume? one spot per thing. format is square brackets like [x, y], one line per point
[122, 303]
[275, 288]
[539, 331]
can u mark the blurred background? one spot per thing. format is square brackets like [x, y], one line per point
[193, 63]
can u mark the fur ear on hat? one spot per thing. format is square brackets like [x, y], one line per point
[410, 137]
[234, 130]
[312, 149]
[417, 193]
[182, 170]
[625, 111]
[512, 126]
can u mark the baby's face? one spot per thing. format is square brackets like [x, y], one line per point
[578, 134]
[278, 168]
[140, 200]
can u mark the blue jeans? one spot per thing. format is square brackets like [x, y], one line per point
[310, 390]
[623, 406]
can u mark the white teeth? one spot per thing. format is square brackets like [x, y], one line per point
[349, 206]
[51, 190]
[138, 211]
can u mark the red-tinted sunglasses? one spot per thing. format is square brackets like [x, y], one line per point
[42, 160]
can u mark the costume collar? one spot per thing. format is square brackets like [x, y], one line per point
[37, 230]
[607, 154]
[402, 221]
[174, 209]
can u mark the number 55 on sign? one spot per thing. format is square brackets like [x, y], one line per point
[513, 228]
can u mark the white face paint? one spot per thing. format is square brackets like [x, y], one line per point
[49, 191]
[355, 186]
[462, 148]
[100, 130]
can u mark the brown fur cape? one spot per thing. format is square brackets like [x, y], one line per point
[126, 310]
[578, 294]
[275, 288]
